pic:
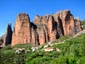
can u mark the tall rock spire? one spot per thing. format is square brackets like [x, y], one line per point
[21, 33]
[8, 36]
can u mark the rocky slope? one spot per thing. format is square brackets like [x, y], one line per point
[44, 28]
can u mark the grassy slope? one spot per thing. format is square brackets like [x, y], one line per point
[72, 52]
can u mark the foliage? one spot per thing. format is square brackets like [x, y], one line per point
[62, 38]
[72, 52]
[83, 24]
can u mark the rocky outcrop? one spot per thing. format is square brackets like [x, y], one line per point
[65, 22]
[44, 28]
[8, 36]
[34, 37]
[21, 33]
[47, 23]
[77, 25]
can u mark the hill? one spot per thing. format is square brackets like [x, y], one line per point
[71, 51]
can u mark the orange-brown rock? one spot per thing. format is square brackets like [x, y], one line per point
[37, 20]
[48, 23]
[51, 29]
[41, 35]
[67, 22]
[34, 37]
[44, 28]
[59, 25]
[21, 33]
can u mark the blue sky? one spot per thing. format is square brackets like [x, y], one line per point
[9, 9]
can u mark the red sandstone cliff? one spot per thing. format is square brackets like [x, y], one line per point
[44, 28]
[21, 33]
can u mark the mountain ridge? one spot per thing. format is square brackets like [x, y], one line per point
[44, 28]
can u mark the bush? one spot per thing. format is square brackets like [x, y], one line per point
[81, 60]
[72, 52]
[8, 47]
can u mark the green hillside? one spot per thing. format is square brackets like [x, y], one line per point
[72, 51]
[83, 24]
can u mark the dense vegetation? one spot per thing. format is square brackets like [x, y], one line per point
[72, 52]
[83, 24]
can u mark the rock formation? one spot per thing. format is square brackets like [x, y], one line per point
[77, 25]
[8, 36]
[65, 21]
[44, 28]
[21, 33]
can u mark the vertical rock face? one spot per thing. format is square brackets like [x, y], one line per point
[21, 32]
[77, 25]
[68, 23]
[41, 35]
[8, 36]
[34, 37]
[44, 28]
[65, 21]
